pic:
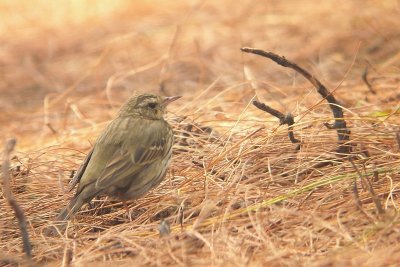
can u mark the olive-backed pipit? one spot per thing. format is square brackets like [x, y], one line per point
[129, 158]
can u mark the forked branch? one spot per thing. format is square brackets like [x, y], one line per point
[283, 119]
[340, 124]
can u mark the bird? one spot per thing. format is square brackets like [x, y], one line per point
[130, 157]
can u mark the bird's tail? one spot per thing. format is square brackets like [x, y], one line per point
[73, 207]
[61, 221]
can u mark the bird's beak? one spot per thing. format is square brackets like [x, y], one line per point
[169, 99]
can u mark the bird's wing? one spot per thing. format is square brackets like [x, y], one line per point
[148, 143]
[119, 154]
[80, 171]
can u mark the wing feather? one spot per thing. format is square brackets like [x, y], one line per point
[80, 171]
[136, 154]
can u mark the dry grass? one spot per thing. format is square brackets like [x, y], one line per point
[244, 194]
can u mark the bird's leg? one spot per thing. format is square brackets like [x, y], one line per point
[127, 210]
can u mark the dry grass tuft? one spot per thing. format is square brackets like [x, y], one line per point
[238, 192]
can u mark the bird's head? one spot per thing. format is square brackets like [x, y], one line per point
[148, 106]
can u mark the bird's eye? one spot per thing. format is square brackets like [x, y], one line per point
[152, 105]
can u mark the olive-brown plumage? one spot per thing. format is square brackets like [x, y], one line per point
[129, 158]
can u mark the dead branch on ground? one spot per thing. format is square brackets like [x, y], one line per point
[19, 213]
[283, 119]
[340, 124]
[366, 81]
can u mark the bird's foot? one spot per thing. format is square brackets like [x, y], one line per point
[128, 213]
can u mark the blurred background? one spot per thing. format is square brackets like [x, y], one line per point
[61, 62]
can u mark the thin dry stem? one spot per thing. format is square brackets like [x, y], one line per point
[19, 213]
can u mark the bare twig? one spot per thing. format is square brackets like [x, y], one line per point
[356, 195]
[46, 115]
[180, 218]
[376, 176]
[398, 139]
[375, 198]
[283, 119]
[366, 81]
[339, 124]
[19, 214]
[185, 134]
